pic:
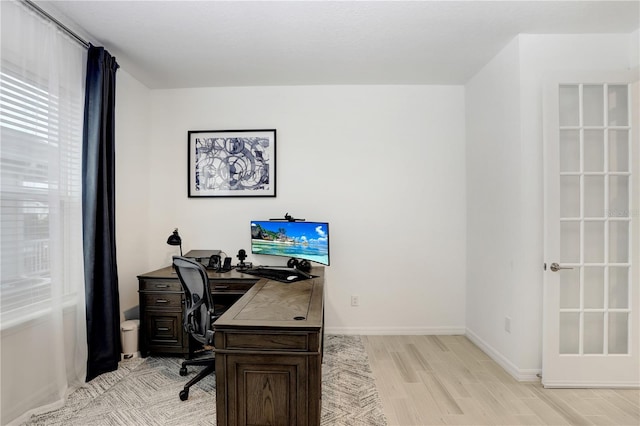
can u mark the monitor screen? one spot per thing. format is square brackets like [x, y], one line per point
[300, 240]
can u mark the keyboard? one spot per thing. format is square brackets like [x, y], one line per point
[284, 275]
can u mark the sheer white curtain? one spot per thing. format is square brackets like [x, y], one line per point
[42, 308]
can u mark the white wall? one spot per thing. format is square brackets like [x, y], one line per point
[132, 185]
[512, 84]
[383, 164]
[493, 192]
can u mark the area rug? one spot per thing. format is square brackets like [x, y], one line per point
[145, 392]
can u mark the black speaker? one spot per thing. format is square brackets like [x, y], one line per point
[303, 265]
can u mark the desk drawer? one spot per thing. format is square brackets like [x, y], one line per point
[160, 300]
[160, 285]
[164, 331]
[269, 341]
[230, 286]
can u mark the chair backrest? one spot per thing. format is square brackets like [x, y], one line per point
[199, 308]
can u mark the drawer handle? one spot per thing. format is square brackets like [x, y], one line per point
[162, 285]
[221, 287]
[162, 329]
[162, 301]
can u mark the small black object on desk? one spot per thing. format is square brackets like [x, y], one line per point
[242, 255]
[277, 273]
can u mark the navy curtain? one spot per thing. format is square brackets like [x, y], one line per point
[98, 210]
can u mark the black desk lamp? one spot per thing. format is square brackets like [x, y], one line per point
[175, 240]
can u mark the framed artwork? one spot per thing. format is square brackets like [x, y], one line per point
[232, 163]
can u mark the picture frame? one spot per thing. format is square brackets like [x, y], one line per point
[232, 163]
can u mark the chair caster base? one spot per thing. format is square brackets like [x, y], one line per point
[183, 371]
[184, 394]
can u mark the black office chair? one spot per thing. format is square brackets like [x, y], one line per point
[199, 314]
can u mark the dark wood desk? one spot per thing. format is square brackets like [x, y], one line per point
[269, 355]
[268, 343]
[161, 307]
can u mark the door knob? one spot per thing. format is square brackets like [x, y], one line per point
[556, 267]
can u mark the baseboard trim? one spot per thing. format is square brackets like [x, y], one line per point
[406, 331]
[521, 375]
[591, 385]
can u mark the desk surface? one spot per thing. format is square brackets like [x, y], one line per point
[169, 272]
[273, 304]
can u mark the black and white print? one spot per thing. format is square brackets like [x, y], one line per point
[232, 163]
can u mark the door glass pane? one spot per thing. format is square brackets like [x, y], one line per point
[618, 332]
[593, 105]
[618, 196]
[570, 289]
[569, 242]
[594, 242]
[593, 333]
[618, 287]
[618, 150]
[569, 105]
[569, 150]
[569, 332]
[618, 241]
[594, 196]
[618, 105]
[594, 150]
[569, 196]
[595, 210]
[594, 287]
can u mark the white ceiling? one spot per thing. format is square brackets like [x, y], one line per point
[177, 44]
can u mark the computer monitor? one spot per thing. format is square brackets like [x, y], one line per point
[294, 239]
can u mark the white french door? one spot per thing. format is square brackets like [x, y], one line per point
[591, 297]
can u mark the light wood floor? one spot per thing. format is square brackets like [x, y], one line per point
[447, 380]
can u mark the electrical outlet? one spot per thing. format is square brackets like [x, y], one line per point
[355, 301]
[507, 324]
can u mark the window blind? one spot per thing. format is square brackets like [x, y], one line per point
[41, 166]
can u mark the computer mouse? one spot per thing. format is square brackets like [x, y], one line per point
[292, 277]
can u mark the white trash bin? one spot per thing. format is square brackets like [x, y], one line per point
[129, 335]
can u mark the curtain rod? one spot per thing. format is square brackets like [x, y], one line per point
[63, 27]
